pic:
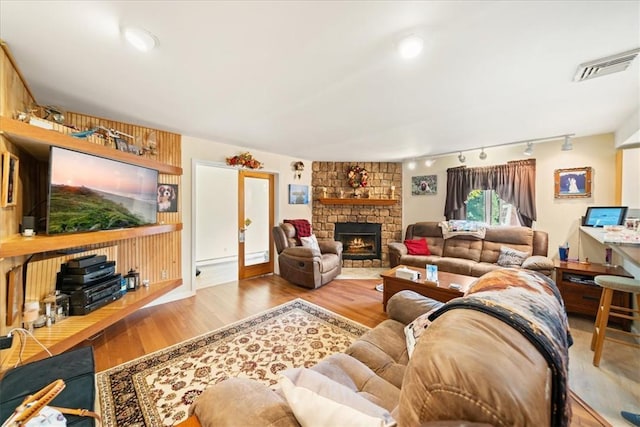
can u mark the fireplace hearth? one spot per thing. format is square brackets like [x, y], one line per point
[359, 240]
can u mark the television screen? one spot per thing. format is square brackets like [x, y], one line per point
[599, 216]
[88, 193]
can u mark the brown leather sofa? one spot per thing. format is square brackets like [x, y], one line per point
[468, 367]
[470, 255]
[305, 266]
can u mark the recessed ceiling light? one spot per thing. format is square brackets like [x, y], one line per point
[141, 39]
[410, 46]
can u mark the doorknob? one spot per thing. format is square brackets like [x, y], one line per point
[247, 222]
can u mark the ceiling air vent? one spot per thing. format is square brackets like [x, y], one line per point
[604, 66]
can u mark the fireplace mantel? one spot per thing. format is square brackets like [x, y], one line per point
[354, 201]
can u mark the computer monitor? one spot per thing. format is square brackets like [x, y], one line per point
[599, 216]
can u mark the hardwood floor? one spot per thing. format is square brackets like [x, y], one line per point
[158, 327]
[154, 328]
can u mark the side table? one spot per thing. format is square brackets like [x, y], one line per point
[580, 293]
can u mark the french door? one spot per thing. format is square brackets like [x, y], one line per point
[255, 221]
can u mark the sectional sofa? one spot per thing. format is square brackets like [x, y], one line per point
[472, 255]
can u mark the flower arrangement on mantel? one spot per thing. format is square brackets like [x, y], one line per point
[245, 160]
[357, 176]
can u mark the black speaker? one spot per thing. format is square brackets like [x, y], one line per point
[28, 223]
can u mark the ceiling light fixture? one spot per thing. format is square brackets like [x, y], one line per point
[411, 165]
[429, 162]
[410, 46]
[141, 39]
[529, 150]
[567, 145]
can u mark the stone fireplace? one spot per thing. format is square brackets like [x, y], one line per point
[359, 240]
[377, 205]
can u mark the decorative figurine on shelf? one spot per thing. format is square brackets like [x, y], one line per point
[324, 192]
[245, 160]
[341, 194]
[392, 192]
[298, 167]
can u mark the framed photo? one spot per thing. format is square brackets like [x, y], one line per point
[298, 194]
[14, 294]
[10, 163]
[121, 145]
[572, 183]
[167, 195]
[425, 184]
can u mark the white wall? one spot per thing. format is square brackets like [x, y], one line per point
[558, 217]
[281, 166]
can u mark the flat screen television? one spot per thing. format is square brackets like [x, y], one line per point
[599, 216]
[91, 193]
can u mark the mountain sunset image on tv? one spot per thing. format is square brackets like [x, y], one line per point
[91, 193]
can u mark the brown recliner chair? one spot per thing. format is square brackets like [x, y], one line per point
[306, 266]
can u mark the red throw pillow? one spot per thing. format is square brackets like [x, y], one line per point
[417, 247]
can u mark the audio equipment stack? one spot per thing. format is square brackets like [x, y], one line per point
[91, 282]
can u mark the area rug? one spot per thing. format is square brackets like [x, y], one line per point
[157, 389]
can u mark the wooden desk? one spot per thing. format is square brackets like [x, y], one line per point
[580, 293]
[440, 290]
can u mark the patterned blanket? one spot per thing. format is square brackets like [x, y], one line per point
[302, 226]
[530, 303]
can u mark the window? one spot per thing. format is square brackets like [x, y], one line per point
[486, 206]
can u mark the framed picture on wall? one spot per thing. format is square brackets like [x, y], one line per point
[9, 191]
[167, 197]
[425, 184]
[298, 194]
[572, 183]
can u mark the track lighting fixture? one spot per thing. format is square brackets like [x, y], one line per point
[529, 150]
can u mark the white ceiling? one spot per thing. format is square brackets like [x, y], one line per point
[321, 80]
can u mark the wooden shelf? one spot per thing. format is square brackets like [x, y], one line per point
[74, 329]
[17, 245]
[37, 141]
[354, 201]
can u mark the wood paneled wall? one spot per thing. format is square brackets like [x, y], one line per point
[156, 257]
[14, 96]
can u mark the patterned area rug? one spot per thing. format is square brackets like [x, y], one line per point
[157, 389]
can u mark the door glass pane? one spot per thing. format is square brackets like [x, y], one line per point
[256, 208]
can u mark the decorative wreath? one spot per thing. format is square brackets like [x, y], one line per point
[357, 176]
[245, 160]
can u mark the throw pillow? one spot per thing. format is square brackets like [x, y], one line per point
[317, 400]
[510, 257]
[310, 242]
[417, 247]
[414, 330]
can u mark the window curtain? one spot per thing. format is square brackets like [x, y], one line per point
[515, 183]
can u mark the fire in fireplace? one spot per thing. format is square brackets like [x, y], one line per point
[359, 240]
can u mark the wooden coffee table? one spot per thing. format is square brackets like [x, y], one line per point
[440, 291]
